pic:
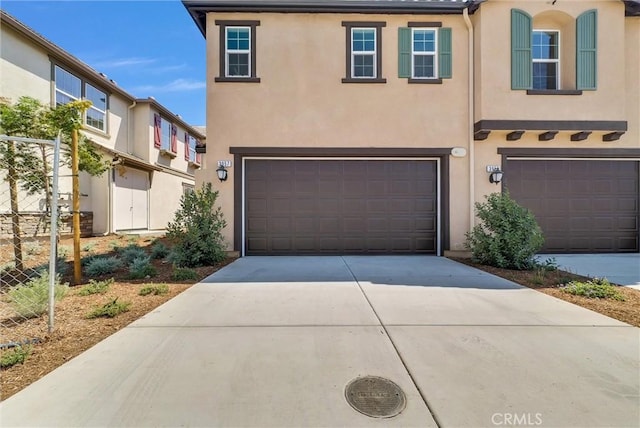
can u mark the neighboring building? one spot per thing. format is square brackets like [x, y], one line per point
[151, 150]
[365, 126]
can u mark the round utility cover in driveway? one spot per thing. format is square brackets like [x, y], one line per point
[375, 396]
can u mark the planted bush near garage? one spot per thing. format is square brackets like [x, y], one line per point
[196, 230]
[508, 235]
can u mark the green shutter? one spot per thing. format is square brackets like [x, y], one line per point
[444, 54]
[586, 50]
[521, 61]
[404, 52]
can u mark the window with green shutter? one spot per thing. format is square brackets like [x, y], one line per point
[425, 52]
[404, 52]
[536, 54]
[586, 50]
[521, 60]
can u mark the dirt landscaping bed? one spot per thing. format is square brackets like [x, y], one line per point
[548, 282]
[73, 332]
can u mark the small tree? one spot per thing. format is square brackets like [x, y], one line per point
[30, 169]
[508, 235]
[197, 229]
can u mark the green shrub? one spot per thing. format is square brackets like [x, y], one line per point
[7, 266]
[132, 252]
[103, 266]
[33, 248]
[597, 288]
[197, 229]
[31, 300]
[115, 246]
[88, 247]
[159, 251]
[184, 274]
[95, 287]
[141, 267]
[508, 235]
[110, 309]
[64, 251]
[154, 289]
[17, 355]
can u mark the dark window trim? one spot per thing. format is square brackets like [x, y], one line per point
[554, 91]
[349, 25]
[444, 154]
[427, 24]
[223, 24]
[436, 81]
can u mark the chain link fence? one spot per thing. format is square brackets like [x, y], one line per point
[29, 219]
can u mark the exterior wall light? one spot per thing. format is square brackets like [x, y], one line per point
[222, 173]
[496, 176]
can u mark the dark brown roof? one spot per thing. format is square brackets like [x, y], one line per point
[199, 8]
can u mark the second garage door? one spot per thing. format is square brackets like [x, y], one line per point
[340, 206]
[582, 206]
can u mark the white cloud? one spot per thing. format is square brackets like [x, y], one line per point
[123, 62]
[178, 85]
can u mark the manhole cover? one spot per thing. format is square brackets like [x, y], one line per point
[375, 396]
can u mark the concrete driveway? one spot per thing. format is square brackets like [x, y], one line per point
[621, 269]
[273, 341]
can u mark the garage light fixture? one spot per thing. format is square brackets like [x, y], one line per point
[222, 173]
[495, 176]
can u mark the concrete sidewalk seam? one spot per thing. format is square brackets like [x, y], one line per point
[406, 368]
[257, 326]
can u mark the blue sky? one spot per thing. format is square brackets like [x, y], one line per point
[149, 48]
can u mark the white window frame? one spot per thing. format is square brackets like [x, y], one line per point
[83, 93]
[236, 51]
[433, 53]
[193, 156]
[93, 107]
[165, 145]
[373, 54]
[548, 61]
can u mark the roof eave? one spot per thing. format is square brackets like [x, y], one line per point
[199, 8]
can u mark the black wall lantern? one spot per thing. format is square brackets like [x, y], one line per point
[495, 176]
[222, 173]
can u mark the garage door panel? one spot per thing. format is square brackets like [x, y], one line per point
[627, 223]
[340, 206]
[628, 244]
[581, 205]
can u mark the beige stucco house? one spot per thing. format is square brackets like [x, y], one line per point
[366, 127]
[151, 150]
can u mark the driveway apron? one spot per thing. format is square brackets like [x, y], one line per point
[273, 341]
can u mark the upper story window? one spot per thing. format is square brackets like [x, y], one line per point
[546, 59]
[425, 52]
[237, 51]
[165, 135]
[190, 154]
[363, 52]
[364, 58]
[71, 88]
[542, 60]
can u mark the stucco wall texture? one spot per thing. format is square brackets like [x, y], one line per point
[301, 101]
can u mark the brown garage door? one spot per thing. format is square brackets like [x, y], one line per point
[582, 206]
[340, 206]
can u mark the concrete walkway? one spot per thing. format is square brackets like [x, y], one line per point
[621, 269]
[272, 342]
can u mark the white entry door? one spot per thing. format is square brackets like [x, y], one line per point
[130, 199]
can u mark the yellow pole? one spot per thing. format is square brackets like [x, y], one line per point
[77, 267]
